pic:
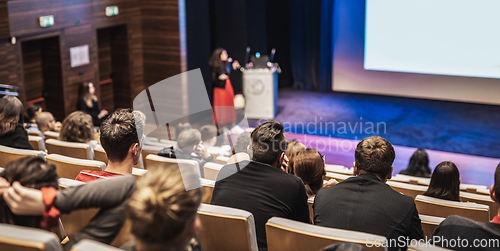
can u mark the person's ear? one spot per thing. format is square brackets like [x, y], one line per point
[248, 149]
[355, 171]
[389, 176]
[459, 181]
[493, 194]
[135, 149]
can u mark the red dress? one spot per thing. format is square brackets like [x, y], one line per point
[224, 112]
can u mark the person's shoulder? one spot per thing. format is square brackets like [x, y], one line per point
[455, 220]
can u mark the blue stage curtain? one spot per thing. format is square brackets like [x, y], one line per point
[311, 44]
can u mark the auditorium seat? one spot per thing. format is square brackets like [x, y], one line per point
[339, 169]
[68, 167]
[8, 154]
[70, 149]
[225, 228]
[169, 142]
[422, 246]
[221, 160]
[90, 245]
[100, 154]
[471, 188]
[481, 191]
[35, 133]
[284, 234]
[444, 208]
[339, 177]
[211, 170]
[429, 223]
[480, 199]
[407, 189]
[152, 160]
[137, 172]
[51, 135]
[310, 203]
[411, 179]
[164, 145]
[208, 189]
[17, 238]
[37, 143]
[147, 150]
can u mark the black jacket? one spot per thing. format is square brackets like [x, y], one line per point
[16, 139]
[366, 204]
[262, 190]
[92, 111]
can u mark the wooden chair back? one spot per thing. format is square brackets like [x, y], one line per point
[284, 234]
[444, 208]
[37, 143]
[339, 177]
[35, 133]
[211, 170]
[70, 149]
[8, 154]
[208, 189]
[429, 223]
[407, 189]
[51, 135]
[17, 238]
[152, 160]
[480, 199]
[68, 167]
[224, 228]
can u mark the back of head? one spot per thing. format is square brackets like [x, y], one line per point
[161, 208]
[293, 147]
[77, 127]
[374, 155]
[242, 143]
[31, 111]
[181, 127]
[496, 187]
[310, 167]
[119, 131]
[208, 132]
[268, 142]
[188, 138]
[10, 113]
[445, 182]
[43, 118]
[419, 163]
[32, 172]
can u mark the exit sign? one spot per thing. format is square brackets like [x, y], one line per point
[46, 21]
[111, 11]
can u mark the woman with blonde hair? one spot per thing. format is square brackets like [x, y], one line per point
[12, 132]
[87, 103]
[163, 210]
[310, 167]
[78, 127]
[293, 147]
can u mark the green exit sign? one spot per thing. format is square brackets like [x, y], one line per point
[111, 11]
[46, 21]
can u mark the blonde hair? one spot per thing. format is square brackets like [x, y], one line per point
[10, 112]
[161, 208]
[77, 127]
[292, 149]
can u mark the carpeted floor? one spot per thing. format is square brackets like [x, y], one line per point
[439, 125]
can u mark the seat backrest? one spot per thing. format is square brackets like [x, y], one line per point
[208, 189]
[90, 245]
[147, 150]
[407, 189]
[221, 160]
[68, 167]
[339, 169]
[19, 238]
[339, 177]
[137, 172]
[411, 179]
[470, 187]
[284, 234]
[36, 133]
[480, 199]
[100, 154]
[225, 228]
[51, 135]
[211, 170]
[444, 208]
[37, 143]
[429, 223]
[152, 160]
[70, 149]
[8, 154]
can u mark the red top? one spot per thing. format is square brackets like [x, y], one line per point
[496, 220]
[87, 175]
[50, 214]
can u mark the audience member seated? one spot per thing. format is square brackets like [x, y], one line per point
[87, 103]
[190, 147]
[242, 143]
[208, 135]
[458, 228]
[310, 168]
[32, 200]
[30, 115]
[365, 203]
[78, 127]
[163, 211]
[120, 134]
[418, 165]
[12, 133]
[261, 186]
[46, 122]
[293, 147]
[445, 182]
[181, 127]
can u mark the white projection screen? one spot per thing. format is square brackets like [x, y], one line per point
[434, 49]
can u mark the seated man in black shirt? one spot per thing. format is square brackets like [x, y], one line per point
[460, 233]
[191, 147]
[365, 203]
[260, 186]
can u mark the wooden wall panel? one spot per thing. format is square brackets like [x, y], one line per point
[32, 69]
[24, 15]
[4, 19]
[52, 77]
[10, 64]
[105, 69]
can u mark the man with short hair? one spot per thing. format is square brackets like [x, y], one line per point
[261, 186]
[45, 122]
[208, 135]
[487, 235]
[191, 148]
[365, 203]
[122, 138]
